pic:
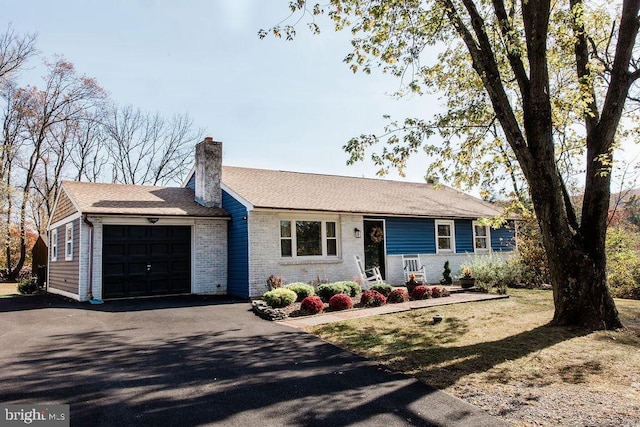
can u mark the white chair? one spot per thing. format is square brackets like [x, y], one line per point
[368, 276]
[411, 265]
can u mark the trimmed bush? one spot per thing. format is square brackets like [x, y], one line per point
[372, 298]
[303, 290]
[397, 296]
[312, 305]
[340, 302]
[437, 292]
[383, 288]
[421, 292]
[328, 290]
[354, 287]
[280, 297]
[28, 286]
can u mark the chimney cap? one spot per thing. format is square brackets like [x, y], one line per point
[208, 138]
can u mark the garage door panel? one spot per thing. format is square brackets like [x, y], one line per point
[114, 232]
[177, 248]
[113, 251]
[137, 287]
[140, 250]
[146, 260]
[160, 268]
[159, 249]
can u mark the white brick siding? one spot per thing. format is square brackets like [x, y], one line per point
[209, 257]
[265, 259]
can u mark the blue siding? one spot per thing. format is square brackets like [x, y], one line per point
[192, 182]
[417, 236]
[464, 235]
[410, 236]
[238, 247]
[503, 238]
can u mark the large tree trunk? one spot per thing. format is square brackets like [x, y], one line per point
[577, 260]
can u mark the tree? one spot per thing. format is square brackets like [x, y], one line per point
[43, 116]
[15, 51]
[531, 85]
[148, 149]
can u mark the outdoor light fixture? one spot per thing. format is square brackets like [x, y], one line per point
[152, 220]
[356, 232]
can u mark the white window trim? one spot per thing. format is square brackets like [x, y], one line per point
[68, 242]
[324, 238]
[487, 237]
[452, 227]
[54, 244]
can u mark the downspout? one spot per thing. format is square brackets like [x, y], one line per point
[90, 284]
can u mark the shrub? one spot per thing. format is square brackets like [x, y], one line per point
[327, 291]
[398, 296]
[437, 292]
[412, 283]
[312, 305]
[372, 298]
[446, 275]
[533, 266]
[483, 287]
[275, 282]
[28, 285]
[303, 290]
[280, 297]
[421, 292]
[340, 302]
[623, 263]
[383, 288]
[354, 287]
[495, 270]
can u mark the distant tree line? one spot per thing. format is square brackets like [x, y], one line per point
[65, 127]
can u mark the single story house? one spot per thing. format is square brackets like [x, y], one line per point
[229, 228]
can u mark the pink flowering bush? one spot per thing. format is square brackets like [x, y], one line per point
[312, 305]
[340, 302]
[398, 296]
[372, 298]
[421, 292]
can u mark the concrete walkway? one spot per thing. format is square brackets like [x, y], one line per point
[337, 316]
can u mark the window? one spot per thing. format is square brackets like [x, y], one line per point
[481, 242]
[305, 238]
[68, 242]
[444, 236]
[54, 245]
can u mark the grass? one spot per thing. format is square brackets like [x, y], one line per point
[492, 347]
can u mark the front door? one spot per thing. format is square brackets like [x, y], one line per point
[374, 248]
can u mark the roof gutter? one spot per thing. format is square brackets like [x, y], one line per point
[92, 300]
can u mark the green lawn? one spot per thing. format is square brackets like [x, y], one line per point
[493, 347]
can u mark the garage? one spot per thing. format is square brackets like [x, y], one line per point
[145, 260]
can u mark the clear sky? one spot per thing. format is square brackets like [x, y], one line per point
[274, 104]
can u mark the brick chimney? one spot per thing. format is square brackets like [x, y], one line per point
[209, 173]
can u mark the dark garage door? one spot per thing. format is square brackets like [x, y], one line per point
[142, 260]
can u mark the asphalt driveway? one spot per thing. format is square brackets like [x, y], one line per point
[197, 360]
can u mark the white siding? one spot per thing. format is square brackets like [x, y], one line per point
[210, 257]
[265, 259]
[434, 265]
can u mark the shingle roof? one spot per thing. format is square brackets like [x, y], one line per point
[305, 191]
[122, 199]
